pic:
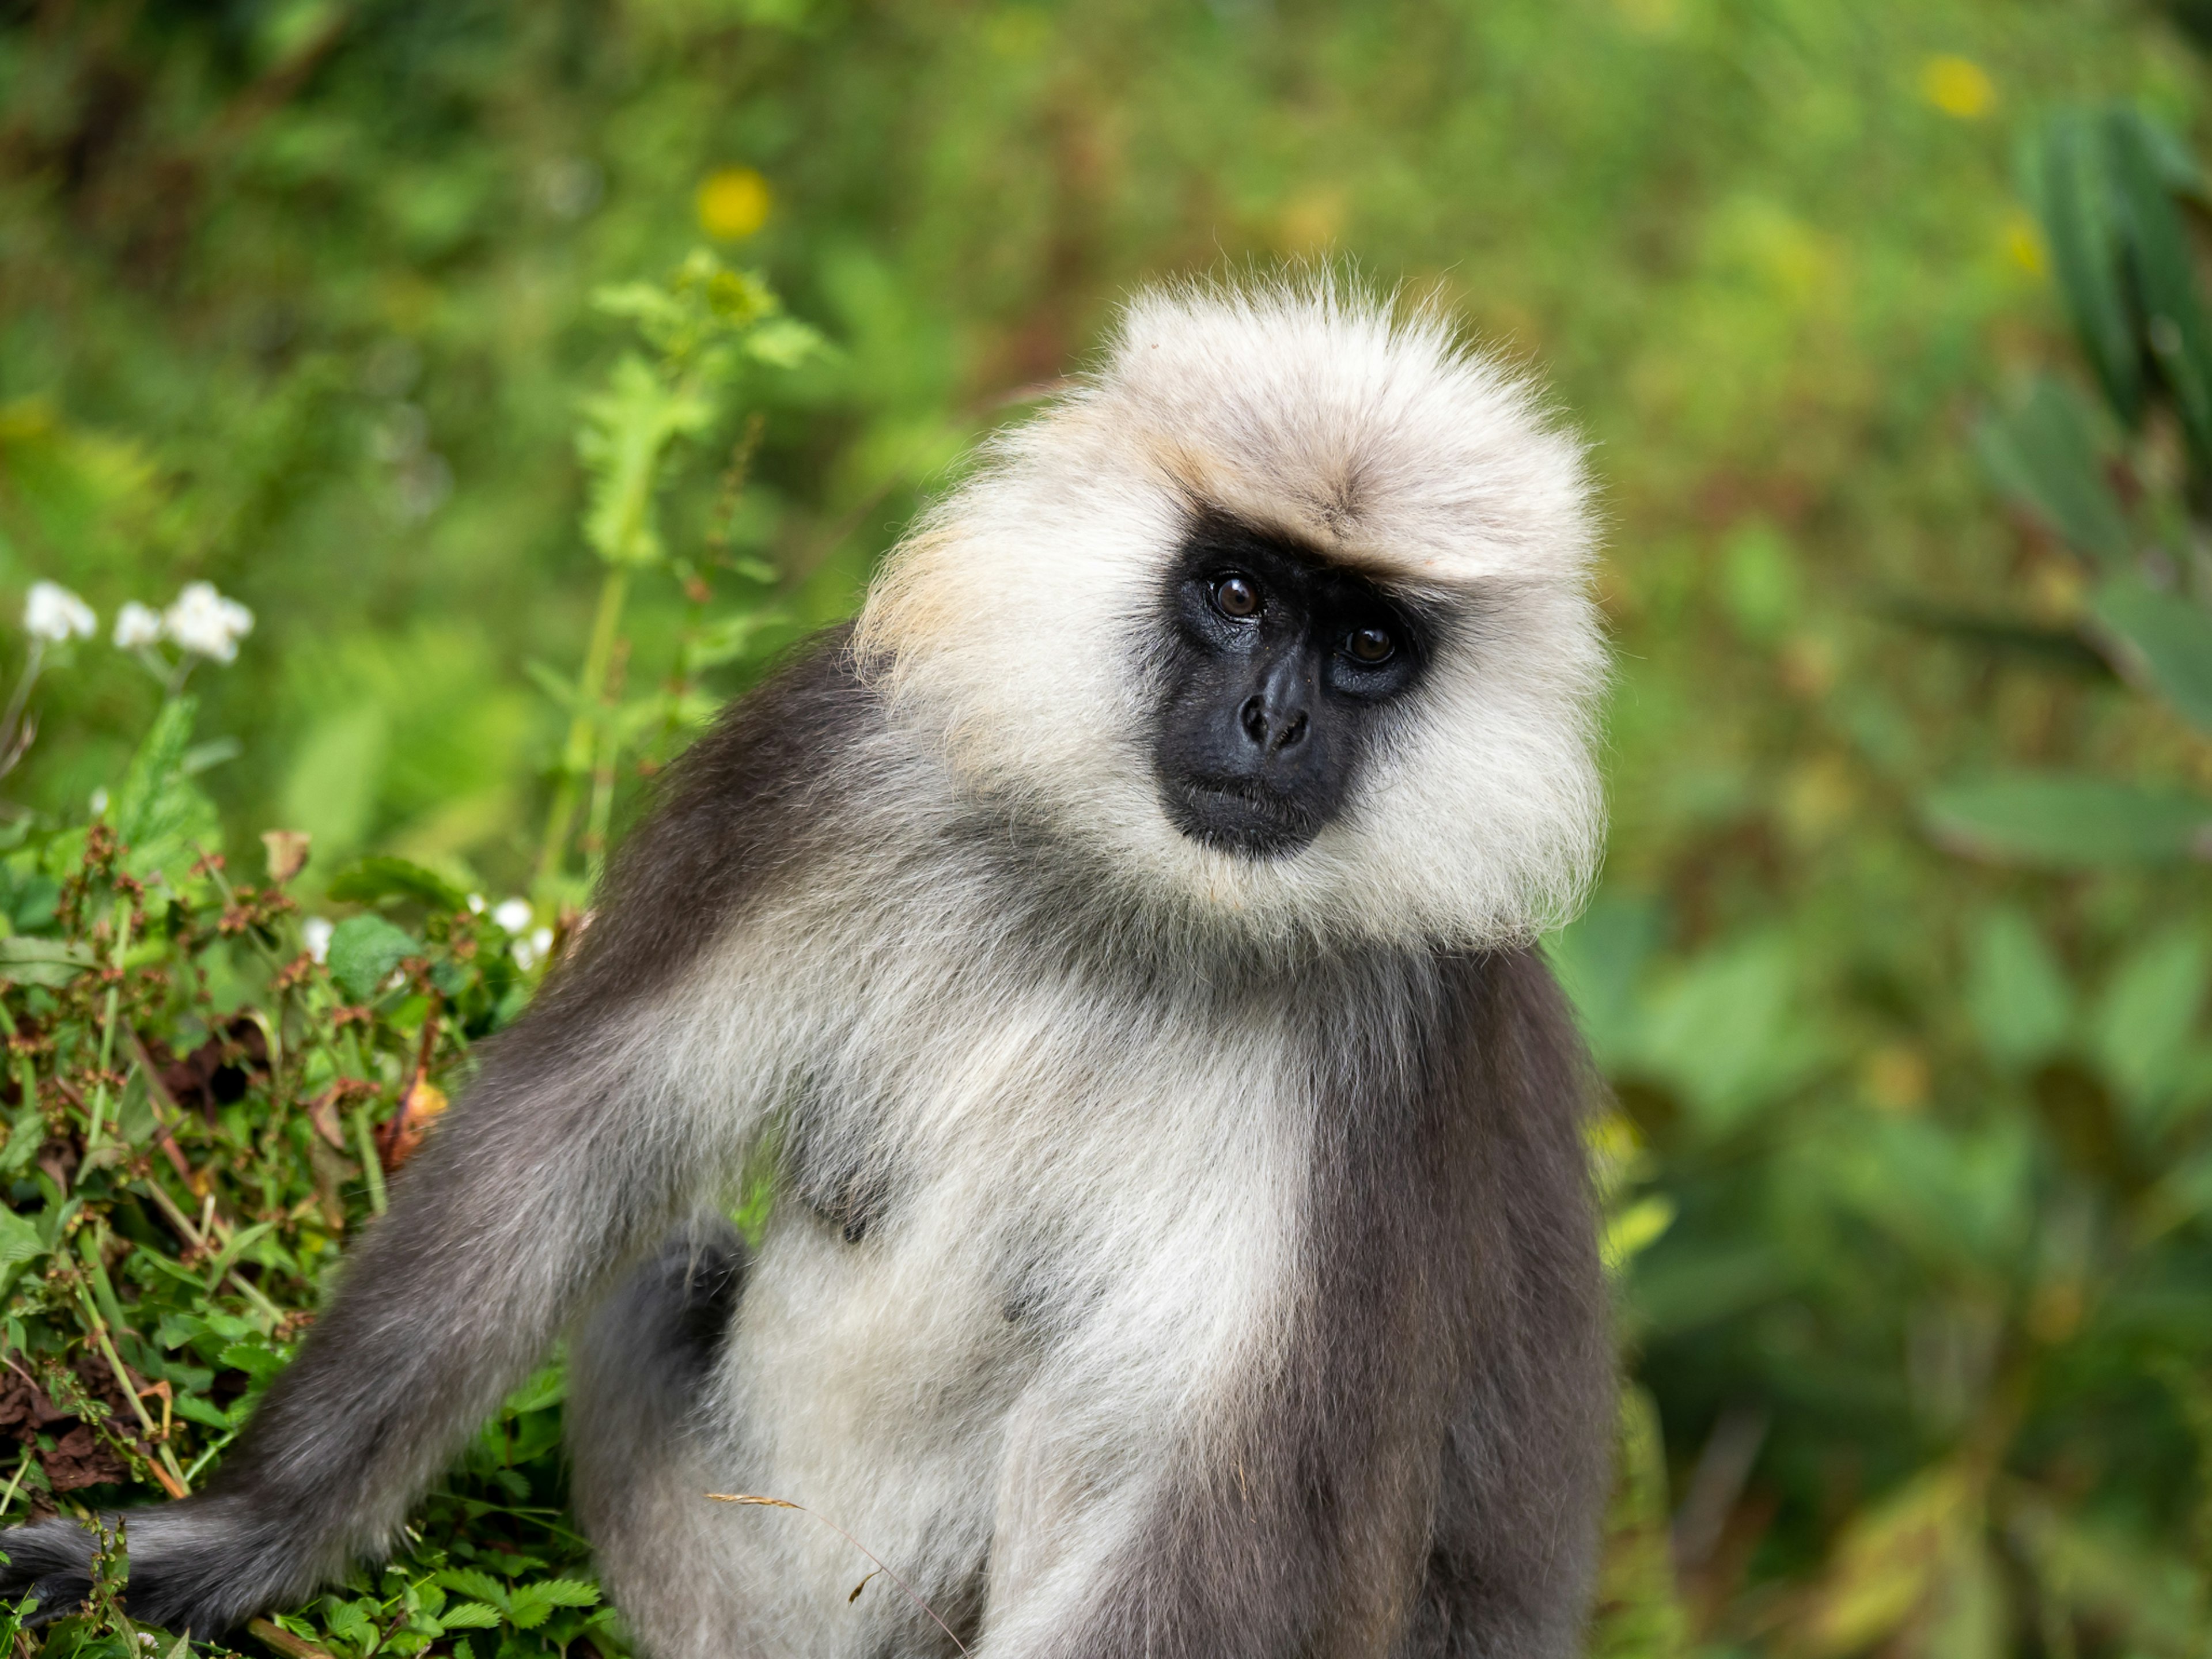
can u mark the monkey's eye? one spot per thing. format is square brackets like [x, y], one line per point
[1238, 596]
[1370, 645]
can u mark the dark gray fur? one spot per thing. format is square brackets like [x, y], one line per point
[1421, 1477]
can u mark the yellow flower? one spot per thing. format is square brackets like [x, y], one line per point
[734, 202]
[2024, 243]
[1959, 87]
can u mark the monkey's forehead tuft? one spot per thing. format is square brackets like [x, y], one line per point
[1363, 428]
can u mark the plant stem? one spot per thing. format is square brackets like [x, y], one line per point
[192, 1236]
[577, 754]
[372, 1166]
[107, 1027]
[15, 1481]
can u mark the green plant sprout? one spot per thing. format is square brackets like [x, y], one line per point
[706, 328]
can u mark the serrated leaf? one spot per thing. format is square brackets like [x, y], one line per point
[19, 1244]
[27, 1133]
[364, 949]
[346, 1620]
[471, 1581]
[547, 1388]
[258, 1363]
[158, 812]
[529, 1607]
[367, 880]
[783, 342]
[470, 1615]
[626, 431]
[567, 1592]
[2043, 457]
[2068, 821]
[2162, 641]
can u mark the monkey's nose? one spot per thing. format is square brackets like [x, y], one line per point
[1271, 730]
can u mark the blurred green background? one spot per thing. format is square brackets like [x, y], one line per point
[296, 298]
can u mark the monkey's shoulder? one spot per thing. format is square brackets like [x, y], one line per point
[743, 804]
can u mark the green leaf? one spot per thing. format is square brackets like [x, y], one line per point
[27, 1133]
[2143, 1022]
[347, 1620]
[728, 638]
[2016, 992]
[567, 1592]
[547, 1388]
[16, 948]
[627, 429]
[243, 1240]
[2067, 821]
[202, 1411]
[783, 342]
[49, 962]
[2072, 188]
[367, 880]
[470, 1615]
[1601, 959]
[259, 1363]
[19, 1243]
[2162, 641]
[364, 949]
[1724, 1035]
[532, 1604]
[2043, 457]
[2173, 315]
[159, 813]
[470, 1582]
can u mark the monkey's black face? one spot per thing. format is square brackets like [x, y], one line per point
[1279, 668]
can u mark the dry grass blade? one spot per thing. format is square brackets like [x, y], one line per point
[786, 1503]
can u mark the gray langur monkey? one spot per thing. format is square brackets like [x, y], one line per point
[1124, 937]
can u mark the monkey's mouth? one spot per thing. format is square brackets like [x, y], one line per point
[1240, 816]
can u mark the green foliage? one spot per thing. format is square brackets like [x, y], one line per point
[1909, 1195]
[199, 1113]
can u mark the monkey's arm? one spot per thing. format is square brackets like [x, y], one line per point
[619, 1100]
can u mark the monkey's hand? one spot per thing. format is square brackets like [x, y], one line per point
[202, 1565]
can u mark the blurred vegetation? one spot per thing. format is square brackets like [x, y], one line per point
[1888, 323]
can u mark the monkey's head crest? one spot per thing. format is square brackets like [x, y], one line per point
[1282, 615]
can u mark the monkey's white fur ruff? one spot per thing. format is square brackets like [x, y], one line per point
[1375, 438]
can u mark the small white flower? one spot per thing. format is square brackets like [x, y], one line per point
[99, 800]
[317, 931]
[207, 624]
[137, 626]
[513, 915]
[476, 904]
[529, 952]
[52, 612]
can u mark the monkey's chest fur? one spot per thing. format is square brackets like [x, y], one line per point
[986, 1314]
[1035, 1258]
